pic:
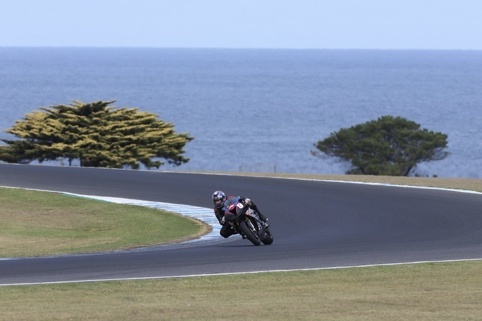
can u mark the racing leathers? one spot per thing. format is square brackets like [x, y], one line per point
[227, 230]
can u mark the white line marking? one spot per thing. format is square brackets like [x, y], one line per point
[237, 273]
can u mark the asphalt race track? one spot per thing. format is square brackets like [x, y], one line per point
[315, 224]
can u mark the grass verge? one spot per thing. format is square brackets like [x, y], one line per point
[435, 291]
[34, 223]
[468, 184]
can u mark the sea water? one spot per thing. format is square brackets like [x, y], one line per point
[261, 110]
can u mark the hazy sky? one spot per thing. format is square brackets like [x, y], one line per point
[341, 24]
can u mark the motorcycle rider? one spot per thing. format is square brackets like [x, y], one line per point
[219, 198]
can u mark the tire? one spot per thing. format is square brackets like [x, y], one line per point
[267, 238]
[249, 233]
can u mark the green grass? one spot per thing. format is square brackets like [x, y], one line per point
[34, 223]
[436, 291]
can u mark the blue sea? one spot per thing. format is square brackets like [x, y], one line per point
[261, 110]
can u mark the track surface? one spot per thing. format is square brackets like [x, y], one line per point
[315, 224]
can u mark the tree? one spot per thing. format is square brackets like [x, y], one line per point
[387, 146]
[96, 134]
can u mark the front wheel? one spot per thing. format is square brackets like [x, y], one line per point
[250, 235]
[267, 238]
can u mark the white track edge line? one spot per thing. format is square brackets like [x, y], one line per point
[237, 273]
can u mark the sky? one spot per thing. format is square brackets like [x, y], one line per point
[300, 24]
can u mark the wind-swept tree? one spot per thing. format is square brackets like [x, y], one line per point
[96, 134]
[390, 146]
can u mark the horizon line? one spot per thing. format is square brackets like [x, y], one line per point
[227, 48]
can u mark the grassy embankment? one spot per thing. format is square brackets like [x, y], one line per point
[438, 291]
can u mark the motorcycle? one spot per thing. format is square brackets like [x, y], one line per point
[247, 223]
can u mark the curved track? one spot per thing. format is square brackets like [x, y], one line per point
[315, 224]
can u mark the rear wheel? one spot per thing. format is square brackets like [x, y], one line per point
[250, 234]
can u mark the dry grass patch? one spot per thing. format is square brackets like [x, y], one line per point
[470, 184]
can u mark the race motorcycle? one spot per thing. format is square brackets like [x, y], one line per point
[247, 223]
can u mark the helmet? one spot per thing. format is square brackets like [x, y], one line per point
[218, 199]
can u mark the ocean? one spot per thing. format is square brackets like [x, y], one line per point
[261, 110]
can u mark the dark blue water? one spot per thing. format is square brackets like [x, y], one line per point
[272, 105]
